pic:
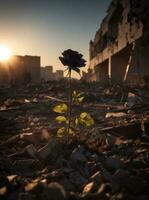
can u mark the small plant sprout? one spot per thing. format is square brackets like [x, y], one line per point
[77, 97]
[74, 61]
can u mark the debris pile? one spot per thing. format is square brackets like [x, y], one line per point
[109, 161]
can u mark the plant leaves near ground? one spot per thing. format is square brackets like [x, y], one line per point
[77, 121]
[84, 115]
[77, 97]
[84, 119]
[71, 131]
[61, 108]
[61, 132]
[80, 99]
[73, 60]
[61, 119]
[74, 93]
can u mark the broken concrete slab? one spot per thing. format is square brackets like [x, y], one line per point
[47, 149]
[26, 166]
[127, 131]
[31, 150]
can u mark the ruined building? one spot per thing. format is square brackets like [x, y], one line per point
[120, 49]
[20, 70]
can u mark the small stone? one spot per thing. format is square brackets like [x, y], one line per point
[29, 138]
[76, 156]
[4, 181]
[136, 185]
[88, 188]
[112, 163]
[26, 166]
[138, 164]
[105, 173]
[110, 140]
[77, 179]
[35, 188]
[25, 196]
[66, 183]
[56, 175]
[94, 157]
[97, 179]
[120, 175]
[61, 162]
[31, 150]
[54, 191]
[47, 149]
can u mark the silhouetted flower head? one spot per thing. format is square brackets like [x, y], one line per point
[73, 60]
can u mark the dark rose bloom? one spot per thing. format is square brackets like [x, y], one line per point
[73, 60]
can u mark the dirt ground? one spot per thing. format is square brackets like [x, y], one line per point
[109, 160]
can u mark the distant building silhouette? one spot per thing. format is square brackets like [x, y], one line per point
[20, 70]
[59, 74]
[47, 74]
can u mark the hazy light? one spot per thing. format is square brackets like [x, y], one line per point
[5, 53]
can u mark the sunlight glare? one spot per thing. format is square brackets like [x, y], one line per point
[5, 53]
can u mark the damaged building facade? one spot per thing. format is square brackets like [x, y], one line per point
[20, 70]
[120, 49]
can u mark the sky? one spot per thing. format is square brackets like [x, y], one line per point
[48, 27]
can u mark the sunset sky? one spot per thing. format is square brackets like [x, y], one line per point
[48, 27]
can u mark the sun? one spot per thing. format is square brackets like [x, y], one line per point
[5, 53]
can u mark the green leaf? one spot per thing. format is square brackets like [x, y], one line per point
[79, 94]
[71, 131]
[77, 121]
[84, 115]
[80, 99]
[74, 93]
[61, 132]
[61, 119]
[61, 108]
[77, 97]
[89, 122]
[85, 119]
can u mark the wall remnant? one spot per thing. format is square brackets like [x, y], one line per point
[126, 23]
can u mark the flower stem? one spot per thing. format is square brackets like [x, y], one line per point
[70, 102]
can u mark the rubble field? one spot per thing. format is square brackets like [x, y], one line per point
[109, 161]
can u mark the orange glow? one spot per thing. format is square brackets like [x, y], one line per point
[5, 53]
